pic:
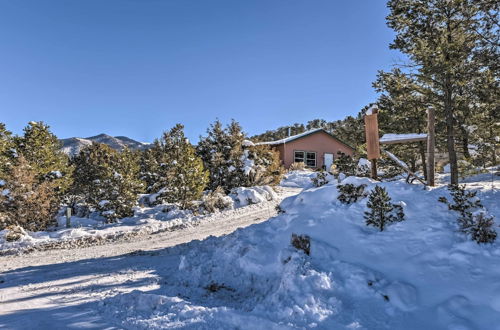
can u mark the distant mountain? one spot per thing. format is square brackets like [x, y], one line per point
[72, 146]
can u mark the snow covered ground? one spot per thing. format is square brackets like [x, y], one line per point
[418, 274]
[146, 220]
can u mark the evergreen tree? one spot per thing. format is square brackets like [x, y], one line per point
[345, 164]
[481, 229]
[181, 176]
[29, 203]
[382, 211]
[6, 151]
[262, 166]
[41, 149]
[149, 167]
[350, 193]
[450, 44]
[402, 109]
[221, 151]
[106, 180]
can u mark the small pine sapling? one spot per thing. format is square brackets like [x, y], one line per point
[349, 193]
[463, 200]
[382, 212]
[481, 229]
[320, 179]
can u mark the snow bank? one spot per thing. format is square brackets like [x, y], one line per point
[298, 179]
[418, 274]
[253, 195]
[146, 220]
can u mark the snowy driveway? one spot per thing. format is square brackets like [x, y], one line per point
[59, 289]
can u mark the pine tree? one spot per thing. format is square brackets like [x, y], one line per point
[221, 151]
[382, 212]
[481, 229]
[106, 180]
[350, 193]
[261, 166]
[402, 109]
[29, 203]
[450, 44]
[345, 164]
[182, 177]
[41, 149]
[6, 151]
[149, 168]
[464, 201]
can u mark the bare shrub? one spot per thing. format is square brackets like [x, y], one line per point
[216, 200]
[297, 166]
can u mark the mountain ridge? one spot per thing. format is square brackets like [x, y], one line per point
[73, 145]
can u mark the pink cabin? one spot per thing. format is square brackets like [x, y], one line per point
[315, 148]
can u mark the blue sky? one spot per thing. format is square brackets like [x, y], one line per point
[137, 67]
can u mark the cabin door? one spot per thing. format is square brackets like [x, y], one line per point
[328, 161]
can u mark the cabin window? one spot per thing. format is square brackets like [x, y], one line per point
[299, 157]
[311, 159]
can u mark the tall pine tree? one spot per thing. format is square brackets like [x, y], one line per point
[449, 43]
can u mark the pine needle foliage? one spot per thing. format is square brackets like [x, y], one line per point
[106, 180]
[345, 164]
[173, 171]
[472, 219]
[41, 149]
[481, 229]
[320, 179]
[28, 202]
[350, 193]
[382, 211]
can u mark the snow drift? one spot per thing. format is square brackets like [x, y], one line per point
[417, 274]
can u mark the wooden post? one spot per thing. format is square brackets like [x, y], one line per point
[68, 217]
[431, 142]
[372, 139]
[374, 168]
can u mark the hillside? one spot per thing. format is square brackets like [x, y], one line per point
[72, 146]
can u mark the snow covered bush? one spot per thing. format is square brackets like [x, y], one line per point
[464, 201]
[106, 180]
[14, 233]
[382, 211]
[297, 166]
[253, 195]
[222, 154]
[217, 200]
[235, 162]
[179, 173]
[301, 242]
[481, 229]
[320, 179]
[350, 193]
[261, 166]
[25, 201]
[472, 220]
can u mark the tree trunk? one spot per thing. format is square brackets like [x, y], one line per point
[465, 142]
[450, 121]
[450, 136]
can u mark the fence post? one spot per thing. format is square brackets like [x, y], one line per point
[68, 217]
